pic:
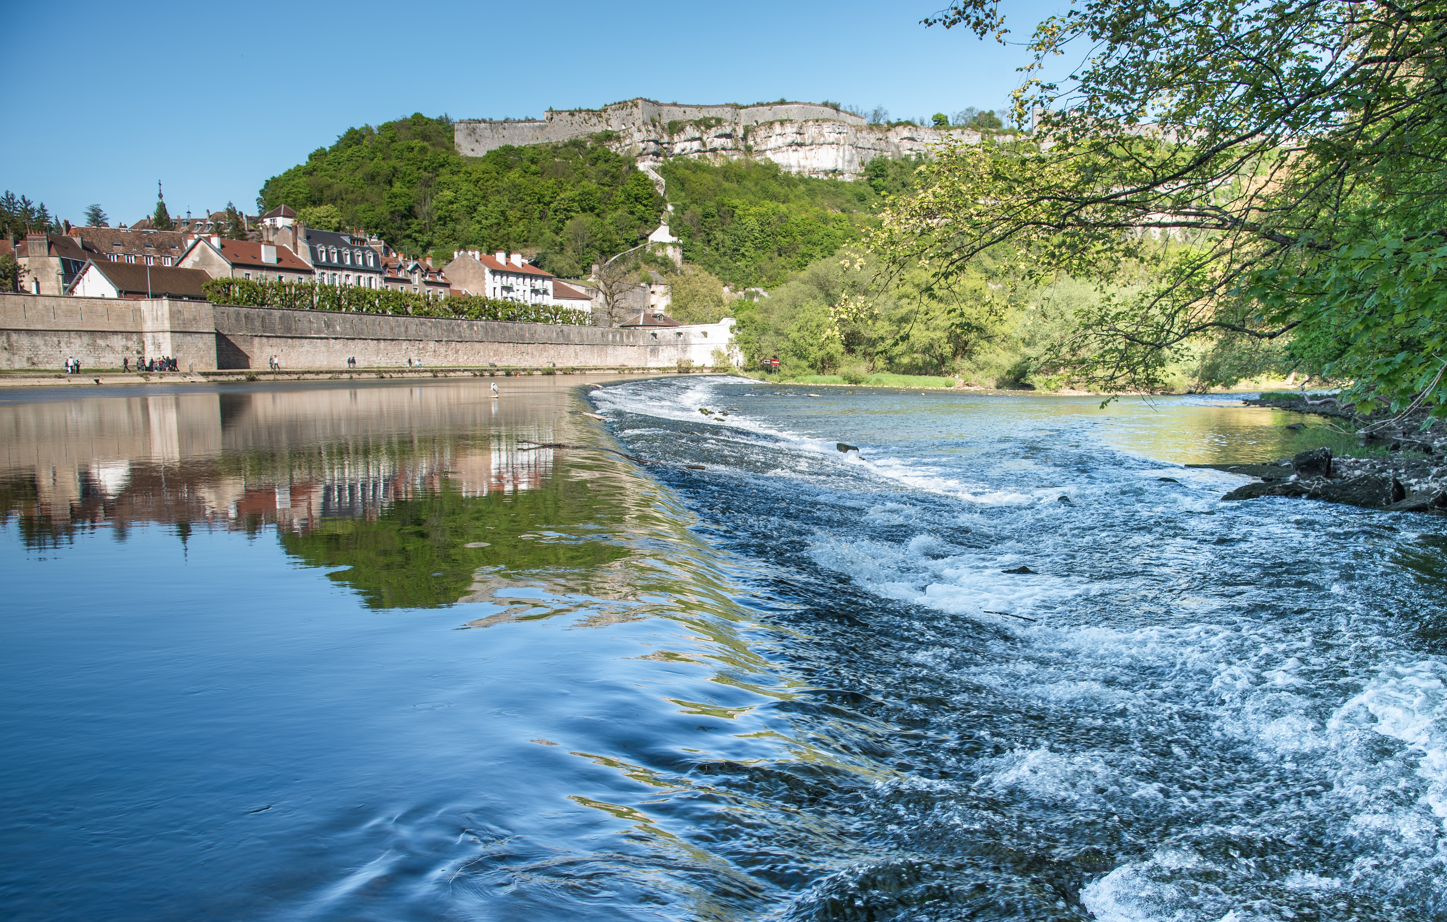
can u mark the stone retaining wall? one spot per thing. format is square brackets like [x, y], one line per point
[41, 332]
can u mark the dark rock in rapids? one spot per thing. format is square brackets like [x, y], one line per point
[1260, 471]
[1064, 499]
[1021, 570]
[1369, 491]
[1421, 502]
[1313, 463]
[846, 447]
[1266, 488]
[1168, 480]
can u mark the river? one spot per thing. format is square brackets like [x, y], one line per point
[404, 651]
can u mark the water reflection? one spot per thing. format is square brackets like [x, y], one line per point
[408, 490]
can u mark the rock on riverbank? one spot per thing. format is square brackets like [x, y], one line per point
[1411, 478]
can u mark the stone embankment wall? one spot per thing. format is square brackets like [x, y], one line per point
[800, 137]
[247, 336]
[41, 332]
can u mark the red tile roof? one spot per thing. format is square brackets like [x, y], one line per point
[247, 253]
[137, 279]
[565, 292]
[525, 269]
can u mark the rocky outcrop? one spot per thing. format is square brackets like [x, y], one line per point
[805, 138]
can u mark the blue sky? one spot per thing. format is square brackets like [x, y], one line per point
[213, 99]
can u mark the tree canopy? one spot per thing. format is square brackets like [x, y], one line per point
[19, 216]
[1278, 164]
[752, 224]
[570, 204]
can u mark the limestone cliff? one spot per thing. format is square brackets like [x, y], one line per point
[803, 138]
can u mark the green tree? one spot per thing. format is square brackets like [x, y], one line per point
[697, 296]
[11, 275]
[941, 120]
[95, 217]
[322, 217]
[235, 226]
[161, 219]
[1278, 168]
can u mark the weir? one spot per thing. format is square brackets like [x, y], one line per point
[41, 332]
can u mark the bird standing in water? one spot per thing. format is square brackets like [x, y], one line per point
[494, 390]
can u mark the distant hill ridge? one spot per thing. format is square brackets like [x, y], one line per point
[806, 138]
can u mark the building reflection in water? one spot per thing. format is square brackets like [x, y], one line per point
[250, 459]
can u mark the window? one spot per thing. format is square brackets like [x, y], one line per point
[130, 257]
[334, 255]
[165, 260]
[347, 279]
[321, 254]
[369, 260]
[347, 257]
[248, 276]
[150, 260]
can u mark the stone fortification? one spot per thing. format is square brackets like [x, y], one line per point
[803, 138]
[41, 332]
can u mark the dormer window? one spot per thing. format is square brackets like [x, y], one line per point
[369, 260]
[334, 254]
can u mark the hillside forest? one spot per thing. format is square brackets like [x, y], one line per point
[784, 254]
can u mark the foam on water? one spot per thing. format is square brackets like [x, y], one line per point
[1214, 697]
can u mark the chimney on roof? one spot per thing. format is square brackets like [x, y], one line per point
[517, 259]
[502, 257]
[268, 253]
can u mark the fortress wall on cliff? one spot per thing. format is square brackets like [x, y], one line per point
[801, 137]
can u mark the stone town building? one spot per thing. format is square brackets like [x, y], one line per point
[418, 276]
[278, 217]
[340, 258]
[50, 262]
[213, 223]
[143, 247]
[104, 278]
[503, 276]
[245, 259]
[565, 295]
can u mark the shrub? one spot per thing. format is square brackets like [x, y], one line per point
[309, 296]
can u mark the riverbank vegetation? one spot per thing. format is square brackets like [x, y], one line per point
[1251, 184]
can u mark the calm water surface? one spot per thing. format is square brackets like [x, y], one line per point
[402, 651]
